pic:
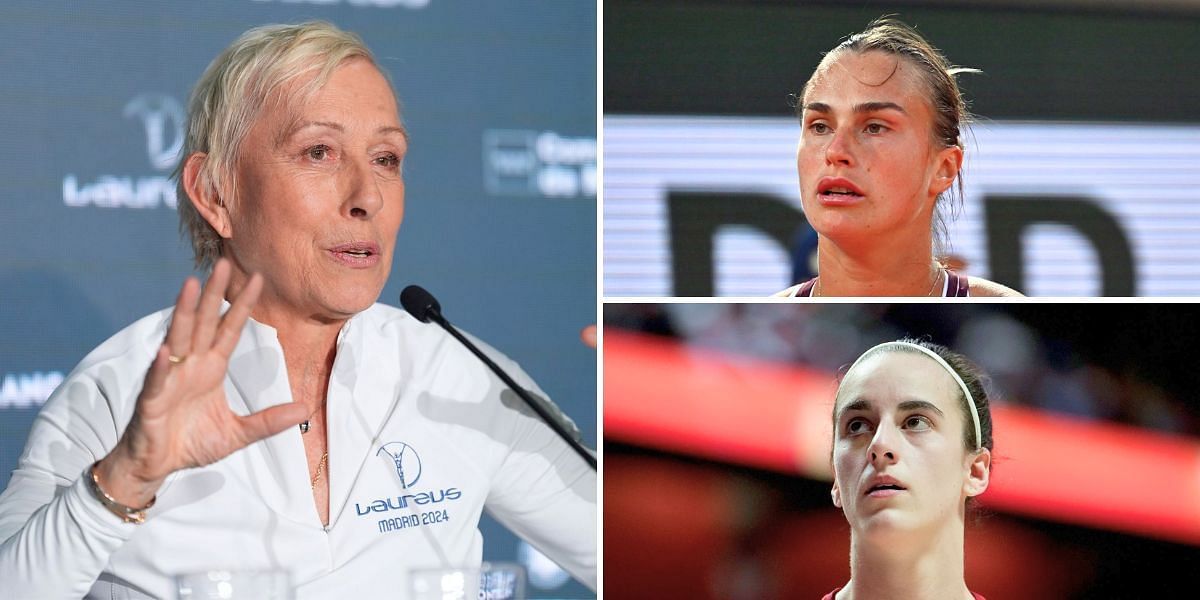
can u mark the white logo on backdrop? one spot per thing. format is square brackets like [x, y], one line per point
[413, 4]
[28, 390]
[162, 116]
[162, 119]
[531, 163]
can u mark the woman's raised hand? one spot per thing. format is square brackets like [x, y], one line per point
[182, 418]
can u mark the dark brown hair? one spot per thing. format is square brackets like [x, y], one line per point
[975, 380]
[971, 375]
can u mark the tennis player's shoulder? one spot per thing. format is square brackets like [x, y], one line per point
[984, 288]
[788, 293]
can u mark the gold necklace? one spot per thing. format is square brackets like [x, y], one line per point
[936, 278]
[320, 469]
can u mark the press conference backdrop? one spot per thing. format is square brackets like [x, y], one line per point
[1082, 175]
[500, 102]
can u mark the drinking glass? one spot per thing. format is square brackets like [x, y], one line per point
[234, 585]
[490, 581]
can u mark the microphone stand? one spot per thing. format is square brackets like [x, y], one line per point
[422, 305]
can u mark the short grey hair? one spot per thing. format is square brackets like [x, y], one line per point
[230, 96]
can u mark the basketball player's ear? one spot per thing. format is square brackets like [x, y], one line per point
[979, 472]
[836, 494]
[204, 197]
[949, 162]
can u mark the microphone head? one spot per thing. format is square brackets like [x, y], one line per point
[420, 303]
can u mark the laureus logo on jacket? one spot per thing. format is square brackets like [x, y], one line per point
[403, 460]
[406, 461]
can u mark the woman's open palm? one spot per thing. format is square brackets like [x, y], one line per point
[182, 418]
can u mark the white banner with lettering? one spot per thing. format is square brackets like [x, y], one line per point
[1140, 182]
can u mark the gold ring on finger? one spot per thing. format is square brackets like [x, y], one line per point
[176, 360]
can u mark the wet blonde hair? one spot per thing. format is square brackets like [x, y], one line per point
[233, 92]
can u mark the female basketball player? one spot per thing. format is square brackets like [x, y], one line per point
[880, 151]
[912, 444]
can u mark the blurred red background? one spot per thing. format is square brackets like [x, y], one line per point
[716, 485]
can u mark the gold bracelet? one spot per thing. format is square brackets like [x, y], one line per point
[127, 514]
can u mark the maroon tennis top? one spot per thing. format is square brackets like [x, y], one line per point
[956, 286]
[830, 595]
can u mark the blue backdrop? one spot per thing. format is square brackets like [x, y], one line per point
[500, 224]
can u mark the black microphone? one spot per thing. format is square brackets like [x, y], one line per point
[422, 305]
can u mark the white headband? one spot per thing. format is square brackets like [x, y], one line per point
[945, 365]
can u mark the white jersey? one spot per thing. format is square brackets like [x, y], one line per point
[422, 438]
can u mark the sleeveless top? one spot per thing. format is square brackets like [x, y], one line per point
[954, 286]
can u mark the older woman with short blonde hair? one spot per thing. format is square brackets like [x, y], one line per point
[279, 419]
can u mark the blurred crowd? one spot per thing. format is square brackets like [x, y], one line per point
[1127, 363]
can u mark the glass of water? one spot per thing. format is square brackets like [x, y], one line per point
[490, 581]
[234, 585]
